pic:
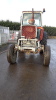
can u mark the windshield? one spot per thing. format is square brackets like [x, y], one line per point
[27, 16]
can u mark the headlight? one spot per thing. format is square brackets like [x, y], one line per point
[24, 41]
[32, 42]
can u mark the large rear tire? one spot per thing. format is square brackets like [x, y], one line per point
[44, 40]
[47, 54]
[11, 54]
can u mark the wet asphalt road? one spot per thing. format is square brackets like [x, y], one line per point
[28, 79]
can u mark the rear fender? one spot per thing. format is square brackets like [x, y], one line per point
[41, 34]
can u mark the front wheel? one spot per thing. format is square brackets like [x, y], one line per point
[11, 54]
[47, 53]
[41, 52]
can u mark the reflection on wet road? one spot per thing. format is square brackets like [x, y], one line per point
[28, 79]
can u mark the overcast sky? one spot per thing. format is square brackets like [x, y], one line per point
[12, 10]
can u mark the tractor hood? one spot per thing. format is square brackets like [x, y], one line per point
[29, 31]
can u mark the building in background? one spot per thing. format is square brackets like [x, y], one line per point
[4, 35]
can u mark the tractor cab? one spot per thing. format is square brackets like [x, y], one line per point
[27, 18]
[33, 19]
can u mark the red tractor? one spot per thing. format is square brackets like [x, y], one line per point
[32, 38]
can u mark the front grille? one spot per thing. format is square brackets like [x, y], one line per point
[29, 32]
[28, 43]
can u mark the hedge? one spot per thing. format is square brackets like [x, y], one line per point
[10, 24]
[16, 26]
[50, 30]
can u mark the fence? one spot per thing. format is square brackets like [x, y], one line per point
[4, 35]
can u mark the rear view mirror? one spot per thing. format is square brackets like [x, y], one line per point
[43, 9]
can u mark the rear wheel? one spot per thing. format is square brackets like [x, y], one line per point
[41, 52]
[47, 55]
[11, 54]
[44, 40]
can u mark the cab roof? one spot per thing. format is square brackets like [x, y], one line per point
[31, 11]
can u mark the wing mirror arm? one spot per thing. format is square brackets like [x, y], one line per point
[43, 10]
[21, 20]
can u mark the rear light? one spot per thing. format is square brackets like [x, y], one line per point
[29, 31]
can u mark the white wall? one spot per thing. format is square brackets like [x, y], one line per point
[4, 38]
[4, 35]
[0, 38]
